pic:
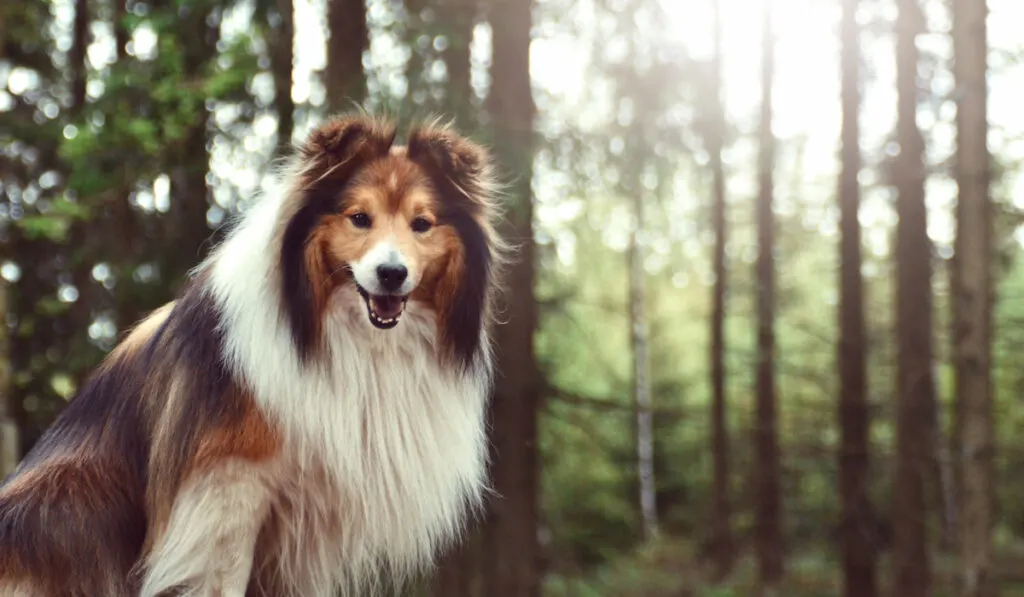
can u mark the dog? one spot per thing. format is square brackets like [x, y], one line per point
[307, 417]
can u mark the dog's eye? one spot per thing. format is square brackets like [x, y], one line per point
[360, 220]
[421, 225]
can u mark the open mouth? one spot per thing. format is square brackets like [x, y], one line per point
[383, 309]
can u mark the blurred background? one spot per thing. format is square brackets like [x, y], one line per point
[764, 331]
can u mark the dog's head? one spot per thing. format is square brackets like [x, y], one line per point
[393, 224]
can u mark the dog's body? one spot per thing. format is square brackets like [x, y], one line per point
[269, 433]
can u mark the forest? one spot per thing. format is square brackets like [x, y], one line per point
[759, 334]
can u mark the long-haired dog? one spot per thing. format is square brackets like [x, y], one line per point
[307, 417]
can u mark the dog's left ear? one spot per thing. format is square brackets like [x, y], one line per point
[462, 169]
[338, 146]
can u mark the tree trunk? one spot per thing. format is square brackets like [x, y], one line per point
[857, 517]
[511, 566]
[121, 35]
[186, 228]
[721, 509]
[344, 79]
[768, 532]
[972, 297]
[458, 569]
[9, 454]
[641, 372]
[456, 575]
[280, 42]
[915, 390]
[77, 55]
[459, 17]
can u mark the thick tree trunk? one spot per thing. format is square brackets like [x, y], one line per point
[768, 532]
[915, 390]
[972, 297]
[456, 575]
[511, 561]
[280, 42]
[344, 79]
[721, 509]
[857, 522]
[641, 373]
[187, 230]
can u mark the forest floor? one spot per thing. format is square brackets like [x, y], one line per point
[671, 570]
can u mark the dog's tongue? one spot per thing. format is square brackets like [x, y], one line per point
[387, 307]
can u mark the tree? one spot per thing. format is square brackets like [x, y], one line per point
[187, 230]
[9, 453]
[857, 547]
[277, 17]
[641, 364]
[511, 562]
[721, 509]
[915, 393]
[348, 39]
[972, 296]
[768, 532]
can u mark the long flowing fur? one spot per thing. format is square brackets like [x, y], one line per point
[222, 450]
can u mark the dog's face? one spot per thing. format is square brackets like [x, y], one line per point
[387, 234]
[393, 224]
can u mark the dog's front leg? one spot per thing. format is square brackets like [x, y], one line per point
[206, 548]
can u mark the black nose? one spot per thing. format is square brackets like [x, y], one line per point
[391, 276]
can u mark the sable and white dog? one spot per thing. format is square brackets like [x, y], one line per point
[307, 417]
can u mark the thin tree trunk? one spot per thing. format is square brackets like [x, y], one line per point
[972, 296]
[344, 79]
[281, 39]
[121, 36]
[857, 522]
[414, 67]
[511, 562]
[77, 55]
[721, 509]
[641, 373]
[915, 391]
[458, 17]
[9, 442]
[768, 533]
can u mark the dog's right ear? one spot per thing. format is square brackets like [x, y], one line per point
[335, 148]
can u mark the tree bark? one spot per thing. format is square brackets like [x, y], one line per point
[344, 79]
[77, 55]
[459, 17]
[9, 441]
[641, 372]
[186, 228]
[722, 547]
[972, 297]
[916, 389]
[280, 42]
[857, 522]
[456, 575]
[768, 532]
[511, 565]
